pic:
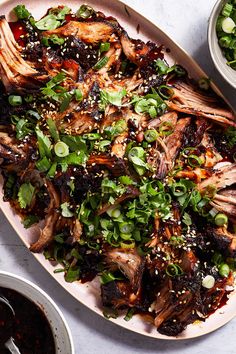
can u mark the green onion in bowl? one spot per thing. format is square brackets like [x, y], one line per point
[226, 32]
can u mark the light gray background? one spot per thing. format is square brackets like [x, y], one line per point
[186, 22]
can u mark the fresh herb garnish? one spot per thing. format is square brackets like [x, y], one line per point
[53, 19]
[21, 12]
[25, 194]
[111, 97]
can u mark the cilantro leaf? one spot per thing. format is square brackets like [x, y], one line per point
[25, 195]
[187, 219]
[53, 19]
[65, 211]
[111, 97]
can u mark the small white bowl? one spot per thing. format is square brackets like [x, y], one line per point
[217, 55]
[60, 329]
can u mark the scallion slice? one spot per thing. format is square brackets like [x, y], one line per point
[227, 9]
[15, 100]
[151, 135]
[61, 149]
[204, 83]
[127, 244]
[166, 92]
[166, 128]
[221, 219]
[194, 160]
[224, 270]
[178, 189]
[85, 11]
[126, 227]
[174, 270]
[228, 25]
[208, 282]
[101, 63]
[104, 47]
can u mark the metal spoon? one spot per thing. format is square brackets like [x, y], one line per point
[10, 345]
[6, 302]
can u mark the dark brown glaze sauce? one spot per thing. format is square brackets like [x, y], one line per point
[29, 327]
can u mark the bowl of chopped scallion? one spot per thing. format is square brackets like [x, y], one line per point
[222, 38]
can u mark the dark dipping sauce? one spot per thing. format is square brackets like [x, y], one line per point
[29, 327]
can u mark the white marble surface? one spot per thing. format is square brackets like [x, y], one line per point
[186, 22]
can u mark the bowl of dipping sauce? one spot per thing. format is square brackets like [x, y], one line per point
[30, 321]
[222, 39]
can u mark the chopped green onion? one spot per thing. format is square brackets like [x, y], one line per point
[61, 149]
[204, 83]
[92, 136]
[129, 314]
[85, 11]
[53, 129]
[78, 95]
[227, 9]
[166, 128]
[194, 160]
[225, 41]
[161, 67]
[224, 270]
[228, 25]
[52, 171]
[43, 165]
[208, 282]
[174, 270]
[115, 213]
[15, 100]
[126, 227]
[179, 70]
[59, 270]
[104, 47]
[127, 244]
[151, 135]
[221, 219]
[136, 152]
[178, 189]
[166, 92]
[232, 64]
[44, 143]
[66, 101]
[21, 12]
[101, 63]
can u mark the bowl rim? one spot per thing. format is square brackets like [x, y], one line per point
[46, 297]
[211, 28]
